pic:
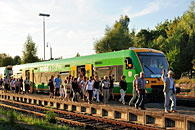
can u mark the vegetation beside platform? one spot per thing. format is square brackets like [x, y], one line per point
[12, 120]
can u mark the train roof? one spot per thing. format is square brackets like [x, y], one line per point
[99, 56]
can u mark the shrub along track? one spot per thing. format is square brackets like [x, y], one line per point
[85, 121]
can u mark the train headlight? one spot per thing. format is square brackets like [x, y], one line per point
[147, 81]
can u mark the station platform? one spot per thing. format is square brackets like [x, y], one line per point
[154, 114]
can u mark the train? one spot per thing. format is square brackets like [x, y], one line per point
[117, 63]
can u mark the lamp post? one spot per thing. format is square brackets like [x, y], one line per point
[44, 15]
[48, 44]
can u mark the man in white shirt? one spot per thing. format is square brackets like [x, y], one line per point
[169, 91]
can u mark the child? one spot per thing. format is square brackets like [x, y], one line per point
[61, 91]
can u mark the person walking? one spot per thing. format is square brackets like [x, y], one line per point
[17, 84]
[134, 90]
[111, 88]
[6, 84]
[96, 87]
[105, 84]
[67, 89]
[75, 89]
[80, 78]
[169, 91]
[62, 92]
[141, 90]
[51, 87]
[27, 84]
[123, 88]
[57, 85]
[89, 88]
[12, 85]
[21, 85]
[83, 83]
[1, 83]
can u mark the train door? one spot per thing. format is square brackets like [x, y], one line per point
[81, 70]
[31, 78]
[74, 71]
[24, 74]
[89, 70]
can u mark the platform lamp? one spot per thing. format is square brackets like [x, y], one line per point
[44, 15]
[48, 44]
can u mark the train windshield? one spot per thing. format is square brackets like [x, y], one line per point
[153, 64]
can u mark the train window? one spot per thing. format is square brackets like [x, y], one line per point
[117, 71]
[98, 62]
[67, 65]
[65, 73]
[128, 63]
[37, 77]
[43, 77]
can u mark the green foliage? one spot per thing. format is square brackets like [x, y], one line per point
[116, 38]
[35, 123]
[77, 55]
[176, 38]
[193, 62]
[50, 117]
[12, 116]
[30, 51]
[6, 60]
[17, 60]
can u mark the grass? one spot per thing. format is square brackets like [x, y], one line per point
[13, 117]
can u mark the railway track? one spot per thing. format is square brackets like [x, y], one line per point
[77, 119]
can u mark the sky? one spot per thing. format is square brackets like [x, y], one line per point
[75, 25]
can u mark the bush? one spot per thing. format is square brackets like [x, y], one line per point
[12, 116]
[50, 117]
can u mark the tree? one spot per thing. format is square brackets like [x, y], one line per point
[17, 60]
[30, 51]
[193, 62]
[77, 55]
[175, 38]
[5, 60]
[2, 56]
[143, 38]
[116, 38]
[8, 60]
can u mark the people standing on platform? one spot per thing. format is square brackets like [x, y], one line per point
[96, 86]
[27, 84]
[17, 83]
[6, 84]
[80, 78]
[111, 88]
[169, 91]
[67, 89]
[1, 83]
[57, 85]
[51, 87]
[89, 89]
[123, 88]
[83, 83]
[134, 90]
[141, 90]
[12, 85]
[71, 79]
[105, 85]
[62, 92]
[75, 89]
[21, 85]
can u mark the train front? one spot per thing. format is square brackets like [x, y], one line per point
[152, 63]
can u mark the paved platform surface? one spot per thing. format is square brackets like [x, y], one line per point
[154, 107]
